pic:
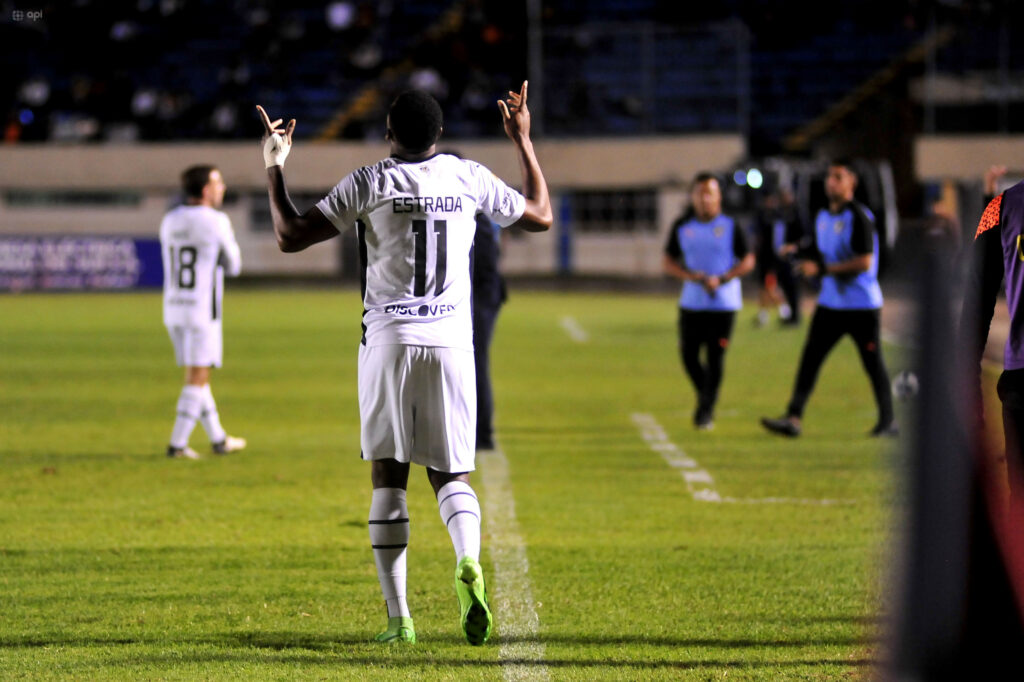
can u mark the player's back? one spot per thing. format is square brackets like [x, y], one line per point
[417, 224]
[194, 241]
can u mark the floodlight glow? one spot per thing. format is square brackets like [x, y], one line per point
[754, 178]
[739, 177]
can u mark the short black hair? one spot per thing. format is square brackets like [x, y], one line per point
[704, 176]
[415, 119]
[195, 178]
[843, 162]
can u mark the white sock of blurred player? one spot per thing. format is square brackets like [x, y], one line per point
[209, 417]
[389, 536]
[190, 406]
[460, 511]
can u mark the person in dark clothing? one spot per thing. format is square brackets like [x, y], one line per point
[845, 253]
[778, 235]
[489, 293]
[998, 255]
[708, 251]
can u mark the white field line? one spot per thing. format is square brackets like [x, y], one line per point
[574, 330]
[517, 623]
[699, 482]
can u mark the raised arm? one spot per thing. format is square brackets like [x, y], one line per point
[294, 231]
[516, 118]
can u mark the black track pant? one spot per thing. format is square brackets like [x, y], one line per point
[1011, 393]
[483, 329]
[827, 327]
[710, 331]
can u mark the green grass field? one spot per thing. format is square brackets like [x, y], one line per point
[117, 563]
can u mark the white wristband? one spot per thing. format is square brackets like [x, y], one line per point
[275, 150]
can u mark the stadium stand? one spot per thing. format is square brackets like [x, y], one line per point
[188, 69]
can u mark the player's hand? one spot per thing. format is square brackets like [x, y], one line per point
[711, 283]
[276, 143]
[515, 116]
[807, 268]
[992, 176]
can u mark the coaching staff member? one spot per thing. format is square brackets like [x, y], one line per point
[708, 251]
[845, 252]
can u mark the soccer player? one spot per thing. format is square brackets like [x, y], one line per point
[708, 251]
[414, 215]
[198, 245]
[996, 256]
[845, 253]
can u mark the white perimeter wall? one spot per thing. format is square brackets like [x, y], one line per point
[665, 163]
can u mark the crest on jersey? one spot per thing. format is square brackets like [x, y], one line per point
[837, 226]
[719, 231]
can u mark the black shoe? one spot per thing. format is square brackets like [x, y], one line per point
[181, 453]
[703, 419]
[228, 445]
[890, 430]
[784, 426]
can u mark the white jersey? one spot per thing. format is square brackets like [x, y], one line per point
[415, 223]
[197, 245]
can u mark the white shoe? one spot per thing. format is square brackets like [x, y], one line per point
[229, 444]
[181, 453]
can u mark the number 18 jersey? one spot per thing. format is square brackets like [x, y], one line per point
[415, 222]
[195, 242]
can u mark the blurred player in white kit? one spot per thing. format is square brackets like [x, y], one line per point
[198, 246]
[415, 219]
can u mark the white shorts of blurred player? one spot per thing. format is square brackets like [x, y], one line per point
[198, 346]
[418, 404]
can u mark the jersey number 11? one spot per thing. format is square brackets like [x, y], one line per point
[419, 229]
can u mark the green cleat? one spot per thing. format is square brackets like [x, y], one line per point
[400, 629]
[472, 594]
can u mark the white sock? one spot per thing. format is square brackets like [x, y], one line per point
[389, 536]
[460, 512]
[785, 312]
[190, 405]
[209, 417]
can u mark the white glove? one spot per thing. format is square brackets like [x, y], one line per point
[275, 150]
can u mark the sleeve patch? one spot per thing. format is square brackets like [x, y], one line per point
[990, 218]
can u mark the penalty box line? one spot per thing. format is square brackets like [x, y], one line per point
[521, 652]
[699, 482]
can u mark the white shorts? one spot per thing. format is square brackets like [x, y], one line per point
[418, 404]
[197, 346]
